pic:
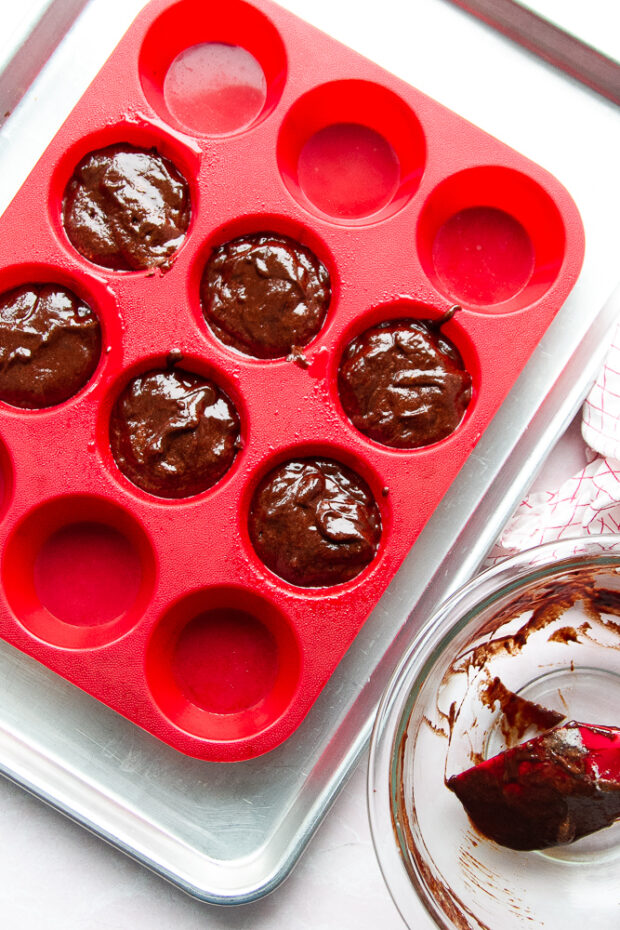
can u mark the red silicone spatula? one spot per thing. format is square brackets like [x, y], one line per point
[550, 790]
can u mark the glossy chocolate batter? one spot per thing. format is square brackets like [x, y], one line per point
[403, 384]
[126, 208]
[547, 791]
[173, 433]
[314, 522]
[50, 342]
[265, 294]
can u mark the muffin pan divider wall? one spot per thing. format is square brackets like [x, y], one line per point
[187, 556]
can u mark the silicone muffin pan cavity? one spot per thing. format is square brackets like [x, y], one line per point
[258, 301]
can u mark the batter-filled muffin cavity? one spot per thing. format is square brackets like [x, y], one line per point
[265, 294]
[173, 433]
[314, 522]
[403, 384]
[126, 208]
[50, 343]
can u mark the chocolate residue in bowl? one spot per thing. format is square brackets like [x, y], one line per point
[545, 605]
[606, 601]
[518, 715]
[419, 869]
[569, 634]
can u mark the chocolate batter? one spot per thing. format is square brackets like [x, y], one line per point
[403, 384]
[126, 208]
[518, 715]
[173, 433]
[50, 342]
[314, 522]
[265, 294]
[551, 790]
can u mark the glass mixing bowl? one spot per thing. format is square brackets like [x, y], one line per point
[546, 624]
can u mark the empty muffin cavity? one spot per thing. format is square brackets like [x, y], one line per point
[351, 151]
[223, 663]
[217, 74]
[78, 571]
[491, 238]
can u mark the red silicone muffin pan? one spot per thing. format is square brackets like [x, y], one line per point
[161, 608]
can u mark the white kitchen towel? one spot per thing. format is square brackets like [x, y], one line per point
[588, 503]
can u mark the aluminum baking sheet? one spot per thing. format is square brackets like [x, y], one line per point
[33, 31]
[229, 834]
[582, 39]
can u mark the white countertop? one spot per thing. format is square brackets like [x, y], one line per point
[54, 874]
